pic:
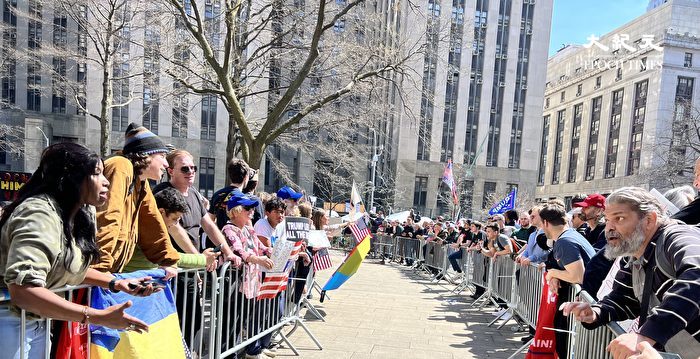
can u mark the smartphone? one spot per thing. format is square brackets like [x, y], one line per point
[156, 284]
[217, 249]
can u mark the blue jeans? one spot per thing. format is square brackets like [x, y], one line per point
[454, 258]
[34, 344]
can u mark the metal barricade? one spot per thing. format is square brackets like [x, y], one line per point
[527, 293]
[195, 299]
[242, 321]
[503, 267]
[382, 245]
[408, 249]
[68, 292]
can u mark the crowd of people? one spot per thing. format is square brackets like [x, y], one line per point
[628, 239]
[80, 219]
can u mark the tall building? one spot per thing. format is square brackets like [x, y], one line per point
[616, 109]
[478, 103]
[34, 77]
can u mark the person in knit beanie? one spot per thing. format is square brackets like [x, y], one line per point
[130, 216]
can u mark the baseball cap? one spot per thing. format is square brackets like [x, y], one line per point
[595, 200]
[287, 192]
[238, 198]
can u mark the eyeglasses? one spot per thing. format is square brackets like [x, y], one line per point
[248, 208]
[188, 169]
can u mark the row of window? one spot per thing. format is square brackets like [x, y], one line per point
[613, 136]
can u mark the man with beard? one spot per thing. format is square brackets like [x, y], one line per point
[659, 279]
[592, 212]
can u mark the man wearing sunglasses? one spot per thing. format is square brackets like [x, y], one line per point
[186, 234]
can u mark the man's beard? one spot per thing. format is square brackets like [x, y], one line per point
[625, 246]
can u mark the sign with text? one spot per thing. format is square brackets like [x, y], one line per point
[10, 183]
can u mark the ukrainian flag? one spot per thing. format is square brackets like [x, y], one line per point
[158, 310]
[350, 266]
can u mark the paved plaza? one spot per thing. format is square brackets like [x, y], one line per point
[392, 311]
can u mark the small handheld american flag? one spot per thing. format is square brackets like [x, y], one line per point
[359, 230]
[322, 260]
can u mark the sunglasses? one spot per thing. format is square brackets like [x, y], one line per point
[188, 169]
[248, 208]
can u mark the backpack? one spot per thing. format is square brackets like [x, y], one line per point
[516, 246]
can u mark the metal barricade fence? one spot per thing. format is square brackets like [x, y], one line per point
[435, 255]
[480, 272]
[195, 298]
[527, 293]
[383, 244]
[503, 268]
[408, 248]
[68, 292]
[242, 321]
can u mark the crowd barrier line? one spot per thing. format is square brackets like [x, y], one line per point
[520, 287]
[202, 296]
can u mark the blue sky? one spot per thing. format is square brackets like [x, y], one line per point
[573, 20]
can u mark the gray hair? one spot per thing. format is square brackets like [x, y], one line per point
[680, 196]
[640, 200]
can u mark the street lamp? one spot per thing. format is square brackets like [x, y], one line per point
[375, 159]
[46, 138]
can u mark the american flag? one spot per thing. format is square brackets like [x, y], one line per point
[322, 260]
[359, 230]
[273, 284]
[449, 180]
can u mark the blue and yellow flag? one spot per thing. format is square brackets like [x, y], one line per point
[350, 266]
[158, 310]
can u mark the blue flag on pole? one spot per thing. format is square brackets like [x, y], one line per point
[505, 204]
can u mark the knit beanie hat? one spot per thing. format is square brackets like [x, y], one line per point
[139, 140]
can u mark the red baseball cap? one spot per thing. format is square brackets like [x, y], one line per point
[595, 200]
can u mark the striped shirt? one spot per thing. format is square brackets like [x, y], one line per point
[679, 298]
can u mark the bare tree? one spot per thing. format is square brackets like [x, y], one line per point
[284, 60]
[678, 150]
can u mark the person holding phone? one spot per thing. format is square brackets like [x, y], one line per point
[47, 241]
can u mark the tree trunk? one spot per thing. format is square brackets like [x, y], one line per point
[232, 146]
[106, 104]
[255, 155]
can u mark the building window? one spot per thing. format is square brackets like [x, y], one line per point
[614, 133]
[209, 117]
[688, 60]
[618, 75]
[643, 64]
[683, 113]
[489, 192]
[562, 96]
[180, 109]
[639, 112]
[596, 106]
[579, 90]
[33, 85]
[206, 176]
[150, 110]
[598, 82]
[575, 138]
[558, 145]
[543, 152]
[546, 102]
[420, 191]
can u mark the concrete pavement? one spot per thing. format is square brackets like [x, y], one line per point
[392, 311]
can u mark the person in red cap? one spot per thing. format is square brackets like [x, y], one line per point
[592, 212]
